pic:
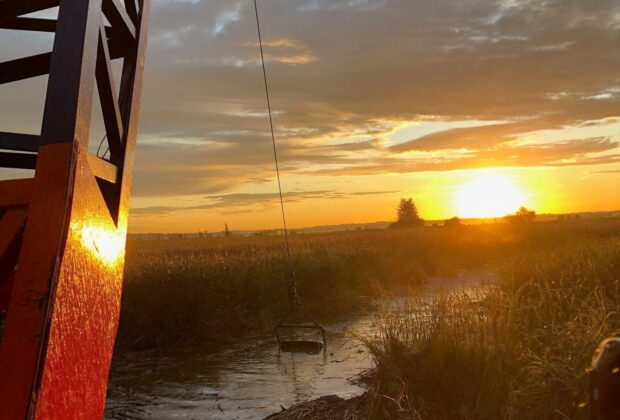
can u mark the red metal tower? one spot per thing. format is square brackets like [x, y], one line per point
[62, 232]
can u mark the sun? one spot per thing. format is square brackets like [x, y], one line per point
[489, 196]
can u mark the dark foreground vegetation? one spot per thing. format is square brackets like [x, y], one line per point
[202, 291]
[210, 290]
[518, 350]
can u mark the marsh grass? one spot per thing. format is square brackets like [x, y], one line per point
[207, 291]
[211, 291]
[517, 350]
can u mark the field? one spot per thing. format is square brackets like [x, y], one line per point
[520, 350]
[521, 346]
[207, 291]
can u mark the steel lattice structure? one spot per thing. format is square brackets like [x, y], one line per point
[62, 232]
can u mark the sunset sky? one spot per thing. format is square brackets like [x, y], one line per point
[450, 102]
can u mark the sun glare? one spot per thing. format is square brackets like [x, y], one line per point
[489, 196]
[106, 244]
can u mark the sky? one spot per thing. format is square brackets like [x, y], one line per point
[470, 107]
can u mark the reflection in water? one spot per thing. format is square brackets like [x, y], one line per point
[250, 380]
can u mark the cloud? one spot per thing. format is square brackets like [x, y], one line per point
[391, 61]
[241, 201]
[611, 171]
[579, 152]
[344, 74]
[471, 137]
[206, 168]
[284, 50]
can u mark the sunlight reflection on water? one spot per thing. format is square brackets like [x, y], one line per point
[250, 380]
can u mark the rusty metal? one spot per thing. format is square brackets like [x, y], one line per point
[62, 232]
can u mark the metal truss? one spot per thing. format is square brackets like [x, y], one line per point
[62, 232]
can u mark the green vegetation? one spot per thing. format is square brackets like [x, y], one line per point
[208, 290]
[521, 347]
[407, 215]
[523, 215]
[453, 222]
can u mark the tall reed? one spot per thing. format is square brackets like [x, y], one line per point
[518, 350]
[212, 290]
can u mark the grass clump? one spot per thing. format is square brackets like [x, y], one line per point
[517, 350]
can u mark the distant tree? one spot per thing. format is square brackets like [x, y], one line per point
[523, 215]
[455, 221]
[227, 232]
[407, 211]
[407, 215]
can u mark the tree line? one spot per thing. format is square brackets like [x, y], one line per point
[408, 216]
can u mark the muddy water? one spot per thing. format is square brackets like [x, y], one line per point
[250, 380]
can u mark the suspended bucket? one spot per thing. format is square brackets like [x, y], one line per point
[294, 344]
[299, 338]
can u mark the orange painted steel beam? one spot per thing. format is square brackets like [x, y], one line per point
[15, 193]
[66, 228]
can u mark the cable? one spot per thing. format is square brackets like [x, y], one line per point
[295, 296]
